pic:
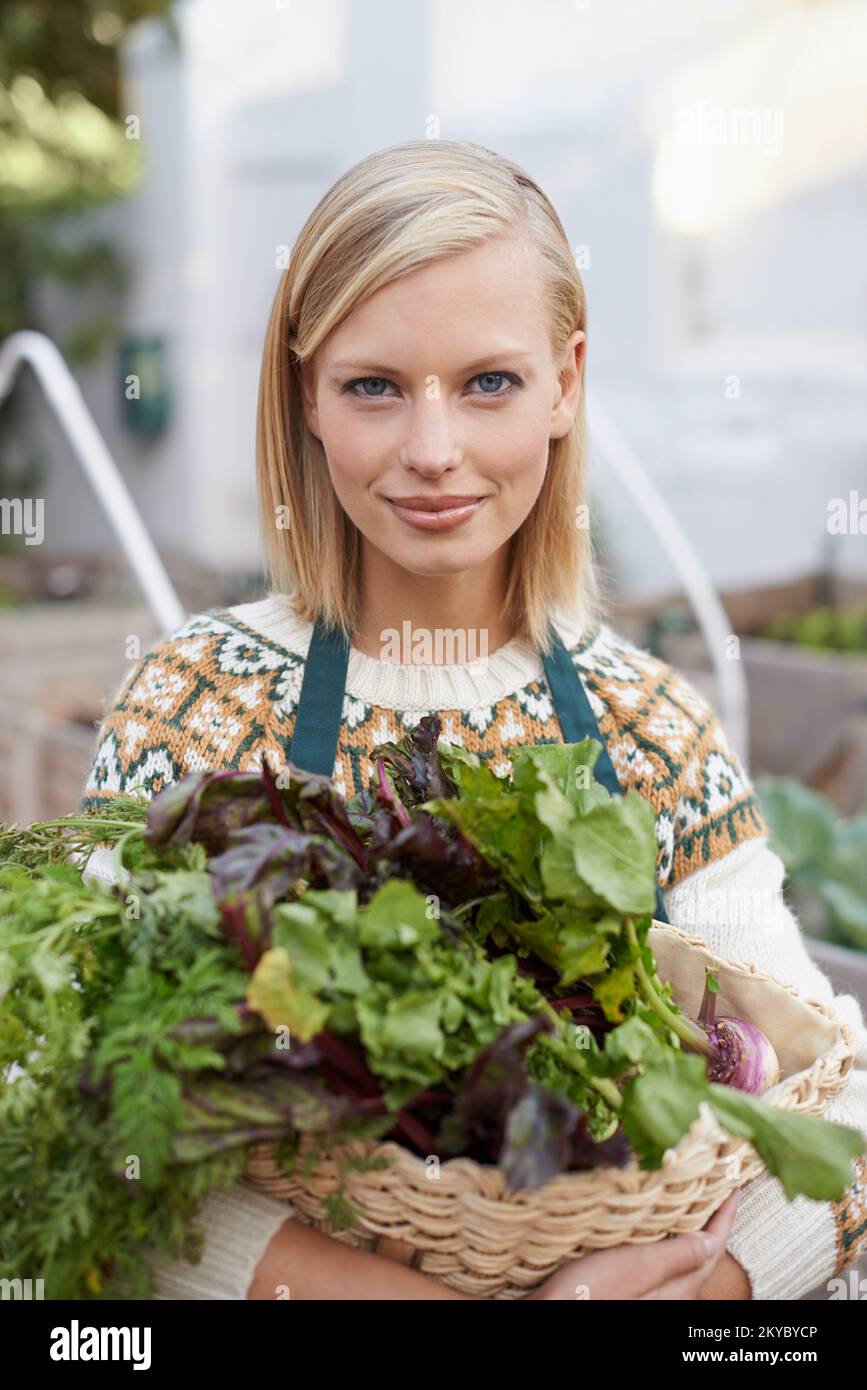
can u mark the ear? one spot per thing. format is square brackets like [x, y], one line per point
[307, 373]
[568, 391]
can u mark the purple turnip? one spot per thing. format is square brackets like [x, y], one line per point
[745, 1055]
[738, 1053]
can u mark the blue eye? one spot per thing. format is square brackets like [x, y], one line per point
[491, 383]
[379, 383]
[487, 378]
[373, 388]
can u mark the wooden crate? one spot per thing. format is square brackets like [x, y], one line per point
[60, 666]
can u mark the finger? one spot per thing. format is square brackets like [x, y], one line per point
[680, 1290]
[652, 1266]
[688, 1284]
[674, 1258]
[719, 1226]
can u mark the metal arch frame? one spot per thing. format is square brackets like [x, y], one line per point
[64, 396]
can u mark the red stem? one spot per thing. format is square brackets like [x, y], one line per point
[386, 792]
[349, 1064]
[273, 795]
[414, 1130]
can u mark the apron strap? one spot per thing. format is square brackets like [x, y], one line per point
[320, 705]
[573, 709]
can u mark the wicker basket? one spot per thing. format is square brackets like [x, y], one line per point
[466, 1230]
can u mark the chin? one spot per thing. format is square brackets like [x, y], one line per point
[437, 569]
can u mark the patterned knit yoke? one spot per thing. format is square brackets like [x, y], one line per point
[223, 690]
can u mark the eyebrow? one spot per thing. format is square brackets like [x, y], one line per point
[382, 369]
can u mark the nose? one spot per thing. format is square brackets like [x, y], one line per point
[429, 445]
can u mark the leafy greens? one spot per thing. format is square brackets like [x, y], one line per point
[449, 959]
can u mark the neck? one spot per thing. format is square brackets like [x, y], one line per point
[469, 604]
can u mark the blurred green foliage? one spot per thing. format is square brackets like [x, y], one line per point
[837, 629]
[825, 855]
[64, 149]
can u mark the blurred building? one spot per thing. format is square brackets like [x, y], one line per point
[709, 164]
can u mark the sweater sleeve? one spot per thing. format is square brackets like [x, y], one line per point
[204, 697]
[139, 744]
[787, 1248]
[237, 1225]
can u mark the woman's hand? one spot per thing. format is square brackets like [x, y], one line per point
[675, 1267]
[727, 1280]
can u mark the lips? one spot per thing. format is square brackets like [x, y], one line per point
[432, 504]
[435, 513]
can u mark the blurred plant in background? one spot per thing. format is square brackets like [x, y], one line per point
[64, 149]
[835, 629]
[825, 857]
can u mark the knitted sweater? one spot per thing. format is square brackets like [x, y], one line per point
[223, 690]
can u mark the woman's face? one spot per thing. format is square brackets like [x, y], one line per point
[435, 401]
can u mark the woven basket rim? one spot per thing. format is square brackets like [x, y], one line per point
[748, 968]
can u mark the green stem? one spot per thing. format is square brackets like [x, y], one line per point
[84, 823]
[134, 833]
[467, 906]
[57, 929]
[603, 1084]
[686, 1030]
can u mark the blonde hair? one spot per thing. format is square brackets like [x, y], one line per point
[401, 208]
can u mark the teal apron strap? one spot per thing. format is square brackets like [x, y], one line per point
[320, 705]
[578, 722]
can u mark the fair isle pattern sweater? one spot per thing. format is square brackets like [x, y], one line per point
[223, 690]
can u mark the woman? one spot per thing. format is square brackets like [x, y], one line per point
[421, 473]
